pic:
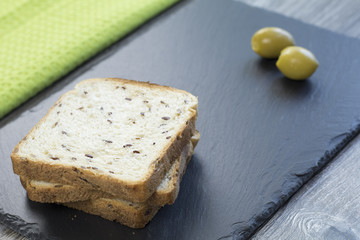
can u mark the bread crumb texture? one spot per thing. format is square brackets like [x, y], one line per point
[110, 127]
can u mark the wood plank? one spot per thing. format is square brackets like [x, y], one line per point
[347, 25]
[328, 206]
[339, 16]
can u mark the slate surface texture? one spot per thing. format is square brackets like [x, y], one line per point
[262, 136]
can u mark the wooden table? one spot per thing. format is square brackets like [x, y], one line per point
[328, 206]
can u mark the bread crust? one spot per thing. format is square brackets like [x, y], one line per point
[135, 191]
[113, 210]
[60, 193]
[134, 215]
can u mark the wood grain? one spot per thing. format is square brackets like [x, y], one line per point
[337, 16]
[328, 206]
[8, 234]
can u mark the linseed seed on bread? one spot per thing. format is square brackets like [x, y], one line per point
[166, 192]
[133, 215]
[114, 135]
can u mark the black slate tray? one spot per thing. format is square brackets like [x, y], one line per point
[262, 136]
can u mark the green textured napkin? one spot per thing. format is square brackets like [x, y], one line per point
[42, 40]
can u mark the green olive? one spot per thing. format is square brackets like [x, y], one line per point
[297, 63]
[268, 42]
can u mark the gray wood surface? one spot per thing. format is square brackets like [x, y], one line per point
[328, 206]
[340, 16]
[7, 234]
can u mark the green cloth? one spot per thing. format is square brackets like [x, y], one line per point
[42, 40]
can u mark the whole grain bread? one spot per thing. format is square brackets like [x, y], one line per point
[166, 192]
[115, 135]
[133, 215]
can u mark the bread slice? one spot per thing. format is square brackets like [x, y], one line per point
[134, 215]
[166, 192]
[116, 135]
[46, 192]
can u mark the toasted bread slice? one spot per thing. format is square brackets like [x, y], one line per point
[114, 135]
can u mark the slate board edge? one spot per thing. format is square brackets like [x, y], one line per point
[255, 223]
[32, 230]
[296, 19]
[29, 230]
[243, 230]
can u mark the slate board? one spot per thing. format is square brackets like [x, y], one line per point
[262, 136]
